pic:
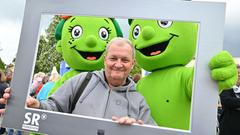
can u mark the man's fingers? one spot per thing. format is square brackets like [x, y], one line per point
[127, 120]
[140, 122]
[6, 95]
[7, 90]
[32, 102]
[2, 101]
[2, 111]
[122, 120]
[115, 118]
[29, 102]
[130, 121]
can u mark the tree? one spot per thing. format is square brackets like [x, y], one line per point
[47, 56]
[136, 70]
[2, 64]
[14, 60]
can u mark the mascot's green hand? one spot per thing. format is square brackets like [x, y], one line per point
[223, 70]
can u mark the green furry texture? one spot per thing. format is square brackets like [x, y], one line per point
[179, 39]
[58, 31]
[223, 70]
[130, 21]
[117, 27]
[164, 48]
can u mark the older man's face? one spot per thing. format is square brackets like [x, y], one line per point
[118, 63]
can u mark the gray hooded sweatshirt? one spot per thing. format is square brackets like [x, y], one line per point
[99, 100]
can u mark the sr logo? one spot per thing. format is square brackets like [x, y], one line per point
[32, 118]
[31, 121]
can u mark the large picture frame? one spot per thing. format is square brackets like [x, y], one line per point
[209, 15]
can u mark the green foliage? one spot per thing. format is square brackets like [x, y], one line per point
[47, 56]
[136, 70]
[2, 64]
[14, 60]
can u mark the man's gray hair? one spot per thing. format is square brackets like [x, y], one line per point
[123, 40]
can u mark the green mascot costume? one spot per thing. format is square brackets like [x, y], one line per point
[82, 41]
[165, 48]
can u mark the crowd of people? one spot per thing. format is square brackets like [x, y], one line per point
[42, 84]
[5, 80]
[3, 86]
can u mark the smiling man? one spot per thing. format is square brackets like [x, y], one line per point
[110, 93]
[118, 64]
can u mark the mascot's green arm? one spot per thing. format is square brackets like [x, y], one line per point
[223, 70]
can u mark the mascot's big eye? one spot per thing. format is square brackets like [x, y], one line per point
[164, 24]
[103, 33]
[136, 31]
[76, 32]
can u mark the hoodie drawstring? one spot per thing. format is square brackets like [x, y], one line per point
[129, 104]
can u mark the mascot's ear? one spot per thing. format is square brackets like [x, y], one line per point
[130, 21]
[58, 31]
[59, 46]
[117, 27]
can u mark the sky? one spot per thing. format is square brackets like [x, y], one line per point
[11, 17]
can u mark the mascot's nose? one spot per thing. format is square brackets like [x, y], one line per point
[91, 41]
[148, 33]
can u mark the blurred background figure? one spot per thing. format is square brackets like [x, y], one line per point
[37, 84]
[136, 77]
[3, 86]
[9, 74]
[43, 94]
[229, 120]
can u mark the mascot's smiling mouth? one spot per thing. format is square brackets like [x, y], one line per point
[156, 49]
[90, 55]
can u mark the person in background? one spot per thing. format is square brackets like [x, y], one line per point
[229, 120]
[136, 77]
[43, 94]
[37, 83]
[9, 74]
[3, 86]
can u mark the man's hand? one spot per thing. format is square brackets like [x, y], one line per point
[126, 120]
[32, 102]
[4, 99]
[223, 70]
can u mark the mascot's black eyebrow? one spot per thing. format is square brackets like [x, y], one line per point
[106, 21]
[72, 19]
